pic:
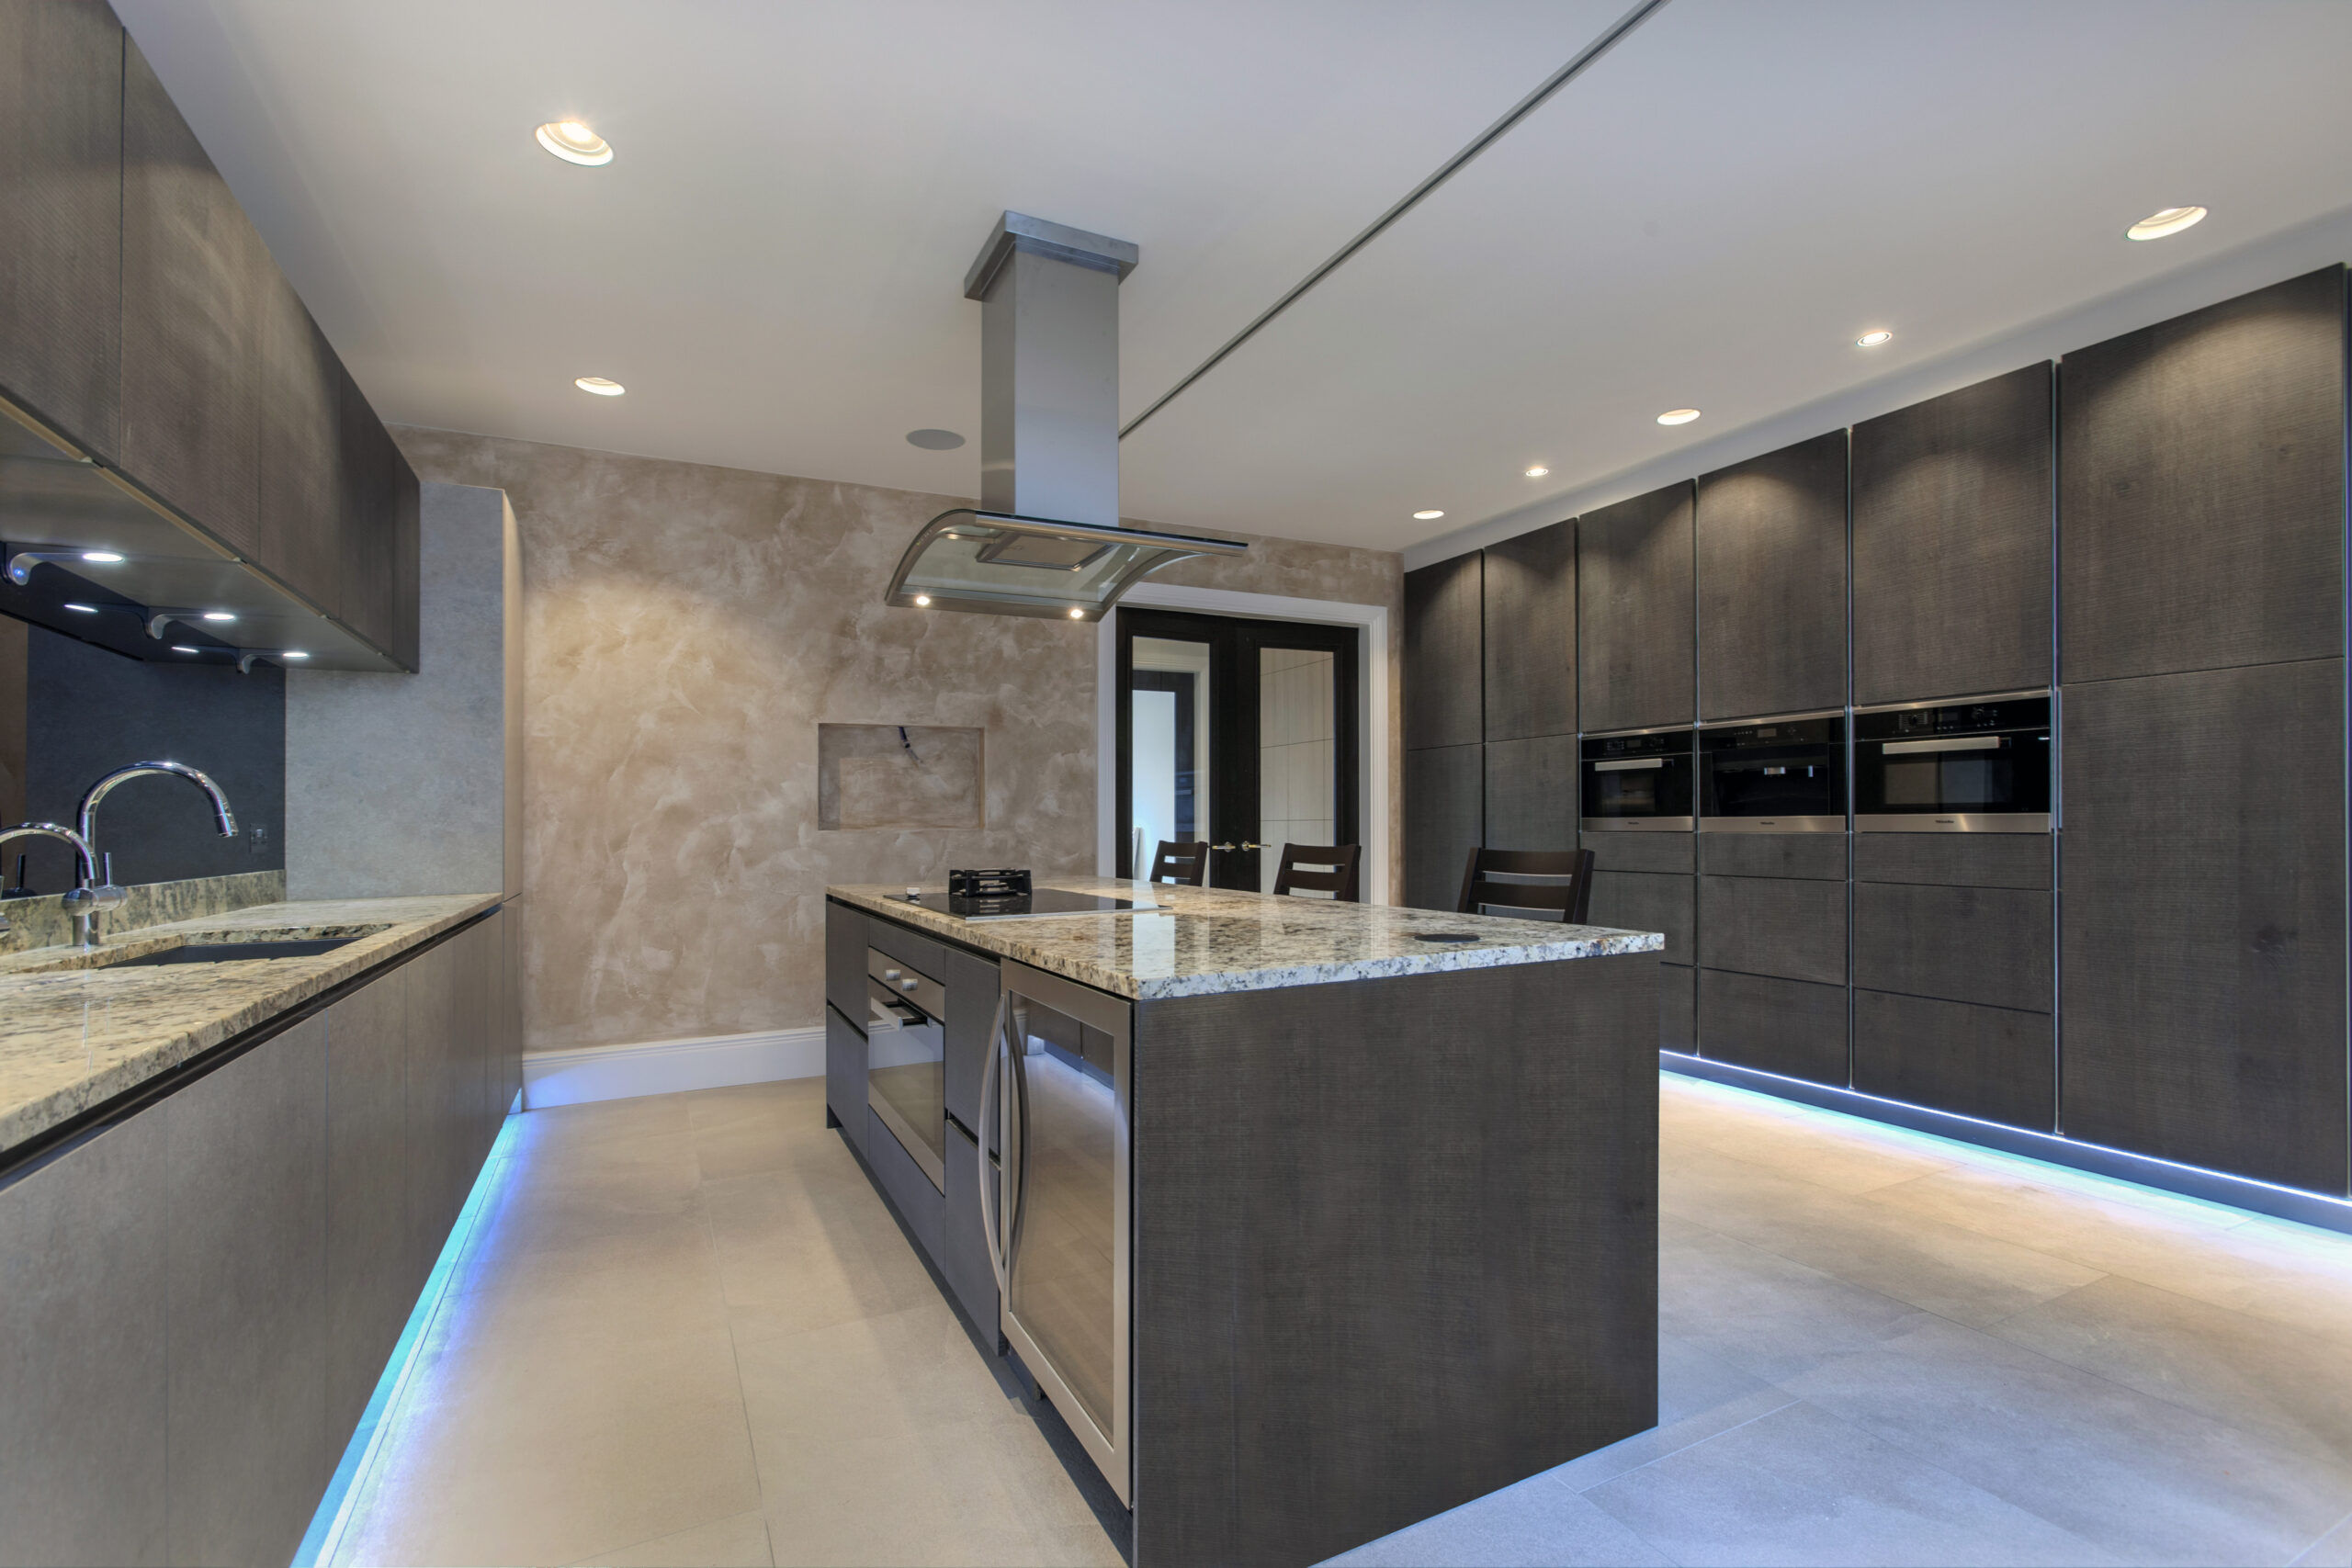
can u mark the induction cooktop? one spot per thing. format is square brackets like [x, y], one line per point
[1041, 904]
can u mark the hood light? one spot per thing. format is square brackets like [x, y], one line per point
[183, 648]
[293, 653]
[604, 387]
[1678, 416]
[575, 143]
[85, 609]
[1431, 515]
[101, 558]
[2171, 221]
[219, 616]
[1871, 340]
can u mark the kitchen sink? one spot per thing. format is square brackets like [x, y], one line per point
[231, 951]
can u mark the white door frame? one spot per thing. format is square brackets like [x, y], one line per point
[1371, 622]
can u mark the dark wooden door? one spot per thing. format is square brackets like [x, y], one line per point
[1953, 534]
[1444, 705]
[2201, 488]
[1530, 635]
[1772, 564]
[2202, 920]
[61, 241]
[1636, 664]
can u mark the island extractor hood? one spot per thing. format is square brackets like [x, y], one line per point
[1046, 539]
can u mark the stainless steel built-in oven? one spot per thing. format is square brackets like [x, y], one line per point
[1981, 765]
[1636, 779]
[1059, 1223]
[905, 1059]
[1774, 775]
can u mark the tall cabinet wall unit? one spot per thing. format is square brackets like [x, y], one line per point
[1954, 969]
[1637, 653]
[2201, 501]
[1529, 655]
[1444, 683]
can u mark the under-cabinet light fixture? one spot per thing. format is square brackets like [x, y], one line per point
[293, 653]
[1678, 416]
[1430, 514]
[21, 564]
[575, 143]
[183, 648]
[82, 609]
[2171, 221]
[219, 616]
[603, 386]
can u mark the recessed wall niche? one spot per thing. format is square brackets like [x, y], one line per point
[900, 776]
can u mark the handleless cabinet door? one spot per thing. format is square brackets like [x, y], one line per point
[372, 1274]
[2201, 488]
[378, 586]
[971, 982]
[1442, 674]
[61, 242]
[1764, 925]
[299, 528]
[1444, 821]
[845, 959]
[963, 1241]
[845, 1075]
[1531, 793]
[1635, 642]
[1952, 542]
[1994, 1063]
[2202, 920]
[193, 282]
[1772, 549]
[1648, 902]
[1963, 944]
[1791, 1027]
[1530, 635]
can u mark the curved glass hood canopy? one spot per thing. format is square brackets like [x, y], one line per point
[1000, 564]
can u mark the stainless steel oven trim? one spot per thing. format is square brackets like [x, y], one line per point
[1956, 702]
[1627, 824]
[1986, 742]
[932, 1165]
[906, 983]
[1622, 734]
[1772, 718]
[1954, 822]
[1113, 1452]
[1771, 824]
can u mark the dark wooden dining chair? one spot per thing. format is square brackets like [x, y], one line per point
[1185, 864]
[1528, 885]
[1295, 871]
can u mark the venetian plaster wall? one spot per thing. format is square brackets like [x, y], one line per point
[685, 630]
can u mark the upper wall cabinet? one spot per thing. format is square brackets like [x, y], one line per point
[1953, 541]
[2201, 488]
[1636, 664]
[61, 218]
[1771, 552]
[1443, 676]
[376, 562]
[1530, 635]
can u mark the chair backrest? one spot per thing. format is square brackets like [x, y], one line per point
[1529, 884]
[1185, 864]
[1295, 871]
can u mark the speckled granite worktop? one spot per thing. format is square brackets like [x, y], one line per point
[1207, 942]
[73, 1038]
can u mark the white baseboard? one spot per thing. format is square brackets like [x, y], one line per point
[666, 1066]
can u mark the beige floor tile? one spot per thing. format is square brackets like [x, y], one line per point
[2333, 1549]
[795, 1255]
[1789, 1138]
[738, 1542]
[1760, 1312]
[657, 1278]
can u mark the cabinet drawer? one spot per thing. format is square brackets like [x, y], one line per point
[845, 1077]
[845, 961]
[1816, 856]
[920, 1203]
[962, 1241]
[1775, 1026]
[1989, 1063]
[1645, 901]
[1990, 945]
[1638, 848]
[1758, 925]
[1955, 860]
[906, 946]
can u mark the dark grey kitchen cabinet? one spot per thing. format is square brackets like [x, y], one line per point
[2203, 920]
[377, 587]
[1793, 1028]
[1648, 902]
[1641, 851]
[1444, 656]
[1529, 593]
[1815, 856]
[1787, 927]
[971, 982]
[845, 1077]
[1531, 793]
[245, 1315]
[82, 1353]
[845, 959]
[300, 511]
[1953, 534]
[1636, 645]
[922, 1206]
[1994, 1063]
[2201, 488]
[1956, 860]
[962, 1241]
[1678, 1008]
[436, 1098]
[1445, 821]
[375, 1264]
[194, 293]
[61, 216]
[1991, 945]
[1771, 573]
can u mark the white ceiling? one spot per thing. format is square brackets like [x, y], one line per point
[773, 261]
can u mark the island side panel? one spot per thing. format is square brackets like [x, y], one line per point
[1396, 1248]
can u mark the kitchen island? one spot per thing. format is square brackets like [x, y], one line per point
[1309, 1226]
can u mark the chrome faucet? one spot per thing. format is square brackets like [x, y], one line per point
[83, 900]
[107, 895]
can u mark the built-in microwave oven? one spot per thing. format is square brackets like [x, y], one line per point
[1774, 775]
[1636, 778]
[1980, 765]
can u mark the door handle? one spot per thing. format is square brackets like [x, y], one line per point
[1629, 765]
[1957, 743]
[990, 1231]
[1244, 844]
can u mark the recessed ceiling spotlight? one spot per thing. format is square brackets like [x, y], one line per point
[1538, 471]
[1871, 340]
[183, 648]
[219, 616]
[923, 601]
[85, 609]
[1075, 614]
[604, 387]
[293, 653]
[1678, 416]
[101, 558]
[575, 143]
[934, 440]
[1430, 516]
[2171, 221]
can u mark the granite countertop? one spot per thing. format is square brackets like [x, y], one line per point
[1206, 942]
[73, 1037]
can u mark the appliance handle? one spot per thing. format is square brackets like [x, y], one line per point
[989, 1229]
[1955, 743]
[1629, 765]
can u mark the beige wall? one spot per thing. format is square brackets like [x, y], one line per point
[685, 630]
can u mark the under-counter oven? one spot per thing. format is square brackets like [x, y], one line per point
[905, 1059]
[1981, 765]
[1774, 775]
[1059, 1222]
[1636, 779]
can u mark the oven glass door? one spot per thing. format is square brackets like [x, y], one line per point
[1636, 781]
[1786, 775]
[1984, 766]
[905, 1059]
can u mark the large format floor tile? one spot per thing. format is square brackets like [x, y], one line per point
[687, 1330]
